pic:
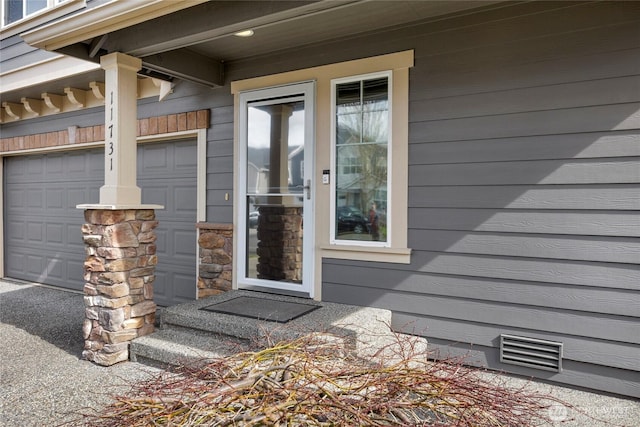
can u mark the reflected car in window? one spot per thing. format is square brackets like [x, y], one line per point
[351, 220]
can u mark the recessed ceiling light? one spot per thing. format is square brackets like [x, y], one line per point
[245, 33]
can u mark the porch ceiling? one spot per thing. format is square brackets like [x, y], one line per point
[194, 43]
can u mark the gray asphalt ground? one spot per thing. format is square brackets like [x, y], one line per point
[44, 382]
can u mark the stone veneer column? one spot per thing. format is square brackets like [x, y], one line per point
[216, 256]
[119, 274]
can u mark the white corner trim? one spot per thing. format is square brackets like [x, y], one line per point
[100, 20]
[45, 71]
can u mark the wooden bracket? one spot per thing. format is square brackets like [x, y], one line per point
[75, 96]
[32, 106]
[98, 89]
[52, 101]
[13, 110]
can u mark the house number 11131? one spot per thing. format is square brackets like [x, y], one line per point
[110, 147]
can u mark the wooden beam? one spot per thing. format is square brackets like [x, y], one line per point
[187, 65]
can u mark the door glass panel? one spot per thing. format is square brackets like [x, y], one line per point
[275, 189]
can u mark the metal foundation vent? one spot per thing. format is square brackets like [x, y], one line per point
[531, 352]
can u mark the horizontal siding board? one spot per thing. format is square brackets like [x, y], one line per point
[609, 275]
[222, 115]
[220, 164]
[575, 222]
[15, 50]
[613, 380]
[592, 248]
[581, 298]
[528, 24]
[610, 197]
[579, 324]
[587, 171]
[547, 147]
[601, 352]
[217, 148]
[220, 131]
[553, 97]
[220, 214]
[612, 275]
[468, 53]
[219, 181]
[573, 120]
[603, 65]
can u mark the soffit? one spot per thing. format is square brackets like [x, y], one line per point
[194, 42]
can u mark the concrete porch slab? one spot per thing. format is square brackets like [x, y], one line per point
[189, 332]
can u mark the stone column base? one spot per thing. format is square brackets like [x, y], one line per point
[119, 272]
[216, 257]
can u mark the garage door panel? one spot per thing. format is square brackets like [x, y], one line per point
[185, 157]
[15, 232]
[160, 288]
[34, 232]
[184, 290]
[153, 158]
[185, 200]
[56, 200]
[74, 235]
[55, 234]
[35, 264]
[35, 198]
[56, 270]
[154, 194]
[15, 199]
[54, 166]
[35, 167]
[184, 244]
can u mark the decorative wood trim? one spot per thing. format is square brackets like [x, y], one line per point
[93, 134]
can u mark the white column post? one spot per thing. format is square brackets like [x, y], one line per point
[120, 149]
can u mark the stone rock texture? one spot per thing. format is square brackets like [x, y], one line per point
[280, 243]
[119, 272]
[216, 258]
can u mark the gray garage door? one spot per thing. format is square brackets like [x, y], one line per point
[43, 242]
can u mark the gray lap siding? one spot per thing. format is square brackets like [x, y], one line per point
[523, 191]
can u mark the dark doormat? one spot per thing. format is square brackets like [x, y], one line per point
[261, 308]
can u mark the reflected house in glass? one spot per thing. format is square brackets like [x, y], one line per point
[275, 147]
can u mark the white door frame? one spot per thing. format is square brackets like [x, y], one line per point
[306, 90]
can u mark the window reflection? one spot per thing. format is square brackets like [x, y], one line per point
[362, 134]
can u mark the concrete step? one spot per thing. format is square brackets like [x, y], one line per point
[179, 346]
[190, 334]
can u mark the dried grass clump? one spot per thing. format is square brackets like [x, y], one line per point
[315, 381]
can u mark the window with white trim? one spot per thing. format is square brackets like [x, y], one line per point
[16, 10]
[361, 159]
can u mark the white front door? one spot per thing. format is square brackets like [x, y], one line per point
[276, 188]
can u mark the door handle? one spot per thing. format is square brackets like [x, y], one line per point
[307, 189]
